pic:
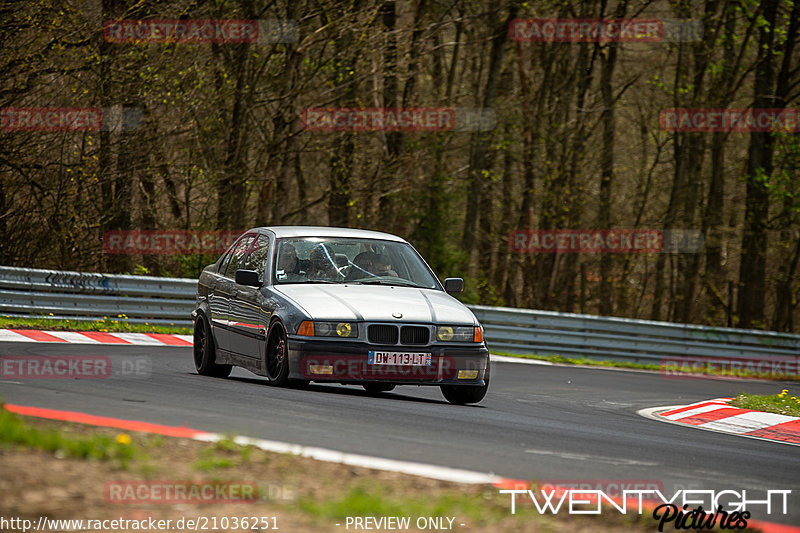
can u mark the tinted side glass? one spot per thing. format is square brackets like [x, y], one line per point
[237, 256]
[257, 260]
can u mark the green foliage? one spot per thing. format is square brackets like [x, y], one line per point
[782, 403]
[225, 453]
[583, 361]
[221, 135]
[191, 265]
[15, 432]
[214, 463]
[784, 186]
[374, 501]
[106, 324]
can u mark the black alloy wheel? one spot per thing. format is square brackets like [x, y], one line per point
[205, 351]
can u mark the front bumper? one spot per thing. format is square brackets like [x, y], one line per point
[348, 362]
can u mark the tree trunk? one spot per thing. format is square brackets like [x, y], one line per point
[232, 189]
[607, 118]
[480, 164]
[752, 270]
[341, 161]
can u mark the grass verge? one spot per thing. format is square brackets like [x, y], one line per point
[15, 431]
[106, 324]
[677, 367]
[44, 475]
[782, 404]
[560, 359]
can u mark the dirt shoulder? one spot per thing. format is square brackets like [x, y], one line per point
[269, 490]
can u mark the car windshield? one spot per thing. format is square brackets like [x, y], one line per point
[356, 261]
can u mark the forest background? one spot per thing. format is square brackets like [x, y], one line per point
[218, 143]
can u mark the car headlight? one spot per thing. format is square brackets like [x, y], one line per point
[328, 329]
[459, 334]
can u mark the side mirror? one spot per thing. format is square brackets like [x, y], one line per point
[247, 277]
[453, 285]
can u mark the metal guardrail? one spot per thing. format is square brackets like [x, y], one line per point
[609, 338]
[89, 296]
[68, 295]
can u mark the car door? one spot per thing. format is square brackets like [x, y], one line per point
[223, 289]
[246, 314]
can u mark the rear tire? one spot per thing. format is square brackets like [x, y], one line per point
[205, 351]
[464, 394]
[277, 354]
[378, 387]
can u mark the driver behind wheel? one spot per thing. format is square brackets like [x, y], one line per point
[383, 267]
[323, 264]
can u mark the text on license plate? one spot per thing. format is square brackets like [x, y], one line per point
[399, 358]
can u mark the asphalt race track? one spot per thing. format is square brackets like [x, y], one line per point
[537, 422]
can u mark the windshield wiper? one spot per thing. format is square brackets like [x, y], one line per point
[398, 282]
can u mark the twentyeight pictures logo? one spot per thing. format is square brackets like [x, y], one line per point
[683, 509]
[200, 31]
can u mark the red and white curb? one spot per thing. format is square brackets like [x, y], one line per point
[94, 337]
[442, 473]
[717, 415]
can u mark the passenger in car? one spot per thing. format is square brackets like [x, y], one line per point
[288, 267]
[323, 264]
[363, 266]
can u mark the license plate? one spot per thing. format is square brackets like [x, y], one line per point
[399, 358]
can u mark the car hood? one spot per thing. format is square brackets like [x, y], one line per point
[377, 303]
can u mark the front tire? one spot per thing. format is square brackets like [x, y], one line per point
[277, 354]
[464, 394]
[205, 351]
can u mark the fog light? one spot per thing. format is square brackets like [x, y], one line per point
[444, 333]
[467, 374]
[320, 369]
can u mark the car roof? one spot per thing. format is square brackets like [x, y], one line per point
[325, 231]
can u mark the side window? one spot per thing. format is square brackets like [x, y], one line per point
[237, 255]
[223, 263]
[257, 260]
